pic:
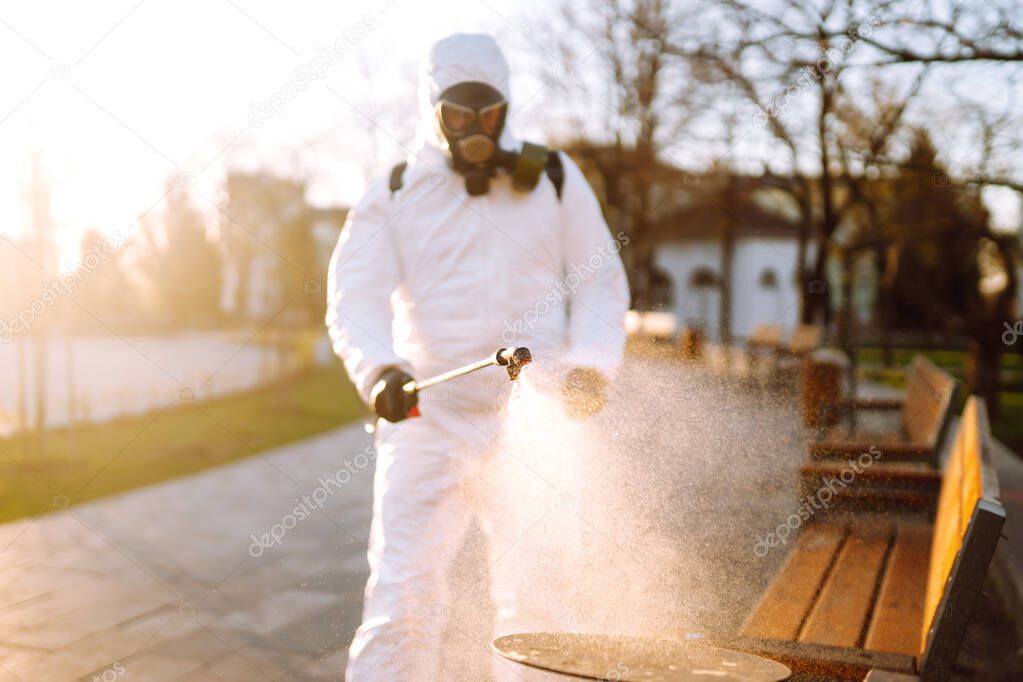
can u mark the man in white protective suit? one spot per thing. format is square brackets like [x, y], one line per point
[477, 241]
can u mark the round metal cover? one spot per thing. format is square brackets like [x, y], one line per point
[636, 659]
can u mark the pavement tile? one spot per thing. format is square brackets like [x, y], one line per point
[23, 583]
[145, 666]
[236, 592]
[67, 598]
[103, 649]
[12, 656]
[206, 644]
[89, 620]
[254, 664]
[344, 579]
[231, 668]
[330, 666]
[277, 610]
[321, 631]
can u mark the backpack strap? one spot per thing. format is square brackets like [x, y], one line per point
[555, 171]
[396, 180]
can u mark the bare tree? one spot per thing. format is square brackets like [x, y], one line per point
[949, 31]
[607, 60]
[867, 141]
[798, 66]
[788, 66]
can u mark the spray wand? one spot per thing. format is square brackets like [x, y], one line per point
[512, 359]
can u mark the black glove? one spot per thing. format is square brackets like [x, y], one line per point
[389, 398]
[585, 392]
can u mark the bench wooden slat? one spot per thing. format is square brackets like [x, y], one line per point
[949, 523]
[918, 399]
[898, 613]
[890, 452]
[885, 486]
[928, 394]
[822, 472]
[784, 606]
[967, 527]
[842, 609]
[971, 487]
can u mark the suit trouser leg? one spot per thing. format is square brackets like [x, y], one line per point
[419, 520]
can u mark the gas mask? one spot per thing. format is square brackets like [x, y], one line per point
[471, 116]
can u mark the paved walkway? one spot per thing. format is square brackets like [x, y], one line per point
[160, 583]
[1008, 562]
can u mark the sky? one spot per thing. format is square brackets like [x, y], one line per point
[117, 97]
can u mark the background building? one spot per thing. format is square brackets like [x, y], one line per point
[276, 246]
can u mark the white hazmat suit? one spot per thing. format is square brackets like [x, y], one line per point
[428, 279]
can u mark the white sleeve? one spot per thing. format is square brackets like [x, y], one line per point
[364, 272]
[595, 277]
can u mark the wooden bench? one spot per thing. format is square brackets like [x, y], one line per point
[824, 372]
[761, 348]
[690, 343]
[765, 337]
[891, 594]
[805, 339]
[924, 414]
[790, 358]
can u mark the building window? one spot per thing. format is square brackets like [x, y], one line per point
[768, 279]
[703, 278]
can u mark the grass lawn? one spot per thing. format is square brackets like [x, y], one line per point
[1008, 427]
[184, 438]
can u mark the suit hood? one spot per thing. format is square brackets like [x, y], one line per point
[456, 59]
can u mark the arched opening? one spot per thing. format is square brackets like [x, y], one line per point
[768, 279]
[704, 283]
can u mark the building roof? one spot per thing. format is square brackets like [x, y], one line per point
[693, 205]
[711, 211]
